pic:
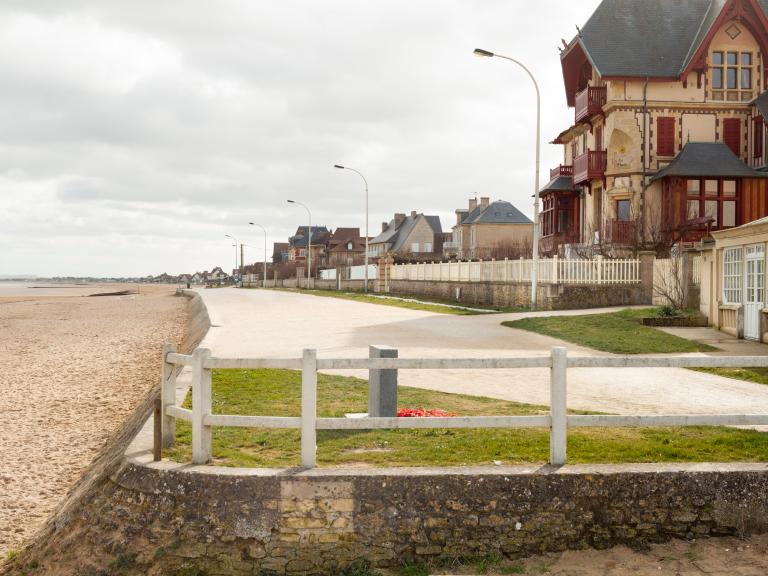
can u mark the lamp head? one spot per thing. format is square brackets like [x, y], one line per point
[291, 202]
[338, 166]
[484, 53]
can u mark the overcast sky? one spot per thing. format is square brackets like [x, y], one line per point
[135, 135]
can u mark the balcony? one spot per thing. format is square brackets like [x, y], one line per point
[561, 171]
[589, 166]
[589, 102]
[621, 232]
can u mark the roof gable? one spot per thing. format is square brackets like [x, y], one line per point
[616, 42]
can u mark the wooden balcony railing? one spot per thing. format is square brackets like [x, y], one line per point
[561, 171]
[589, 166]
[589, 102]
[621, 231]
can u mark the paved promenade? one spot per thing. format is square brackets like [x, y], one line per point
[260, 323]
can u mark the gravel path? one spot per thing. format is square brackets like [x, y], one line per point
[71, 370]
[279, 324]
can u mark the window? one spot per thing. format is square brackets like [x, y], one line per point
[732, 281]
[665, 136]
[548, 215]
[757, 138]
[732, 134]
[623, 210]
[349, 245]
[731, 76]
[415, 247]
[427, 247]
[563, 214]
[713, 199]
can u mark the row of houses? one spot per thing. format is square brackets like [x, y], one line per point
[483, 230]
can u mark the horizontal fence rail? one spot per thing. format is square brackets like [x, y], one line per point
[557, 420]
[551, 271]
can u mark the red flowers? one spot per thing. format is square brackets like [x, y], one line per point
[422, 413]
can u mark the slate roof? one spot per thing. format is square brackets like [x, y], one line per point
[499, 212]
[561, 183]
[398, 236]
[762, 102]
[657, 38]
[708, 159]
[319, 235]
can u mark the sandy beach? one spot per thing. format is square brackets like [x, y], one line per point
[72, 368]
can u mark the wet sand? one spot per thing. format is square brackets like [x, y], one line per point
[72, 368]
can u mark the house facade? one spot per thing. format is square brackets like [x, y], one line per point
[668, 138]
[297, 244]
[489, 230]
[345, 247]
[414, 235]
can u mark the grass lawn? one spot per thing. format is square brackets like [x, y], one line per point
[618, 332]
[277, 393]
[758, 375]
[426, 304]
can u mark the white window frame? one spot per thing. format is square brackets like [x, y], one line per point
[414, 247]
[733, 275]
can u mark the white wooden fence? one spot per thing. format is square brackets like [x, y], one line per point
[558, 421]
[551, 271]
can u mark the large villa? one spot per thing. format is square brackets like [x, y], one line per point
[668, 136]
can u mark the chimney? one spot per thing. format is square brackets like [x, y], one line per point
[399, 219]
[413, 214]
[384, 226]
[472, 204]
[460, 215]
[484, 201]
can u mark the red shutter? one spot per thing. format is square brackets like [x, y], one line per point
[732, 134]
[757, 146]
[665, 136]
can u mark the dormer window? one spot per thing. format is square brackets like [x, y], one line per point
[731, 76]
[349, 245]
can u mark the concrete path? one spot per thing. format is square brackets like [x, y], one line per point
[260, 323]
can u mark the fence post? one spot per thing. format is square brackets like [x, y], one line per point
[599, 262]
[382, 385]
[168, 397]
[558, 435]
[555, 275]
[201, 406]
[309, 408]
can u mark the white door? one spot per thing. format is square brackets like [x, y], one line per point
[754, 290]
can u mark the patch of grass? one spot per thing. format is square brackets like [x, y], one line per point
[359, 568]
[758, 375]
[278, 393]
[413, 570]
[618, 332]
[515, 569]
[11, 555]
[424, 304]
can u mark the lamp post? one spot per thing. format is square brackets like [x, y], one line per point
[366, 217]
[235, 240]
[535, 270]
[309, 240]
[264, 279]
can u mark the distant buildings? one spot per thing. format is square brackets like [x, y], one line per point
[490, 230]
[415, 235]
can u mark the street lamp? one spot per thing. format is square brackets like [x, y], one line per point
[535, 271]
[366, 217]
[309, 240]
[264, 279]
[235, 240]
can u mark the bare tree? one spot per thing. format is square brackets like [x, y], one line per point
[670, 283]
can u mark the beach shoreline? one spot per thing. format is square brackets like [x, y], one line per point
[72, 368]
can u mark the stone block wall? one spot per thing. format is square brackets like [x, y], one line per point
[168, 519]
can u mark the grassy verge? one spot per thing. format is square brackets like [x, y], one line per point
[618, 332]
[758, 375]
[278, 392]
[415, 303]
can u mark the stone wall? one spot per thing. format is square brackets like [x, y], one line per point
[169, 519]
[504, 294]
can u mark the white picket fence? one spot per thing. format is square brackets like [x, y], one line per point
[557, 420]
[551, 271]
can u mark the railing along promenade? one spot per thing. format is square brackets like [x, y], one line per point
[557, 420]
